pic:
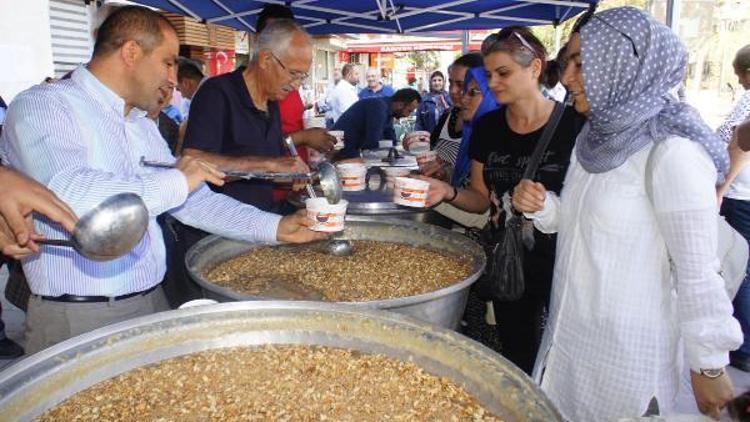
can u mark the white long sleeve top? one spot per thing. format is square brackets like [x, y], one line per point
[344, 95]
[620, 324]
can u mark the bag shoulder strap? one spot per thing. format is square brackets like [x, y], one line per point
[544, 140]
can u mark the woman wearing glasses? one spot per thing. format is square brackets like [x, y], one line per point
[495, 157]
[640, 192]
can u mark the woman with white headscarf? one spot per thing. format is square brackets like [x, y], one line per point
[619, 323]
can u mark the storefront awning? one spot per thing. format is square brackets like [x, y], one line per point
[383, 16]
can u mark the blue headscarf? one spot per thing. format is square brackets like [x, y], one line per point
[463, 162]
[630, 63]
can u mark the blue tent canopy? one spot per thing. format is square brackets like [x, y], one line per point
[383, 16]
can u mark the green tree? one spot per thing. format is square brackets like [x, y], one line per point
[424, 60]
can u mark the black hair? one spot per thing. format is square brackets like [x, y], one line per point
[347, 69]
[437, 73]
[188, 70]
[272, 11]
[554, 69]
[406, 96]
[584, 18]
[131, 23]
[742, 59]
[739, 406]
[469, 60]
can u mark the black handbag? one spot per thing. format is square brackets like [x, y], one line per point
[503, 278]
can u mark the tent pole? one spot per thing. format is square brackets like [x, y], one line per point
[464, 42]
[673, 14]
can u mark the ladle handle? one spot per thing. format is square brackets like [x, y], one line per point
[293, 151]
[56, 242]
[157, 164]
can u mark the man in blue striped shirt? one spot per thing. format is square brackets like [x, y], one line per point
[83, 139]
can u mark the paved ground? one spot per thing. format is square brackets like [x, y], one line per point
[14, 319]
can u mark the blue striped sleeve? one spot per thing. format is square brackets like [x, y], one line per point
[225, 216]
[54, 149]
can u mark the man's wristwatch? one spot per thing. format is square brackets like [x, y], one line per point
[712, 372]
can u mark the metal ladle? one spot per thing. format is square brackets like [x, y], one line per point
[326, 175]
[330, 184]
[108, 231]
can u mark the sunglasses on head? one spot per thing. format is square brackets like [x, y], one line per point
[500, 36]
[586, 18]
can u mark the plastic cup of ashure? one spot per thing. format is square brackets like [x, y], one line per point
[417, 137]
[426, 157]
[410, 192]
[391, 173]
[339, 135]
[352, 176]
[419, 147]
[327, 217]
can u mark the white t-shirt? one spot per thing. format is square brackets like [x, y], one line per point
[343, 96]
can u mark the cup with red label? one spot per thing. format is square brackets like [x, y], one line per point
[416, 139]
[391, 173]
[426, 157]
[352, 176]
[327, 217]
[339, 135]
[410, 192]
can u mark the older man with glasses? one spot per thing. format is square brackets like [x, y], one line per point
[235, 121]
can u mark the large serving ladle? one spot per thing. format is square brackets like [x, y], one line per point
[326, 176]
[109, 230]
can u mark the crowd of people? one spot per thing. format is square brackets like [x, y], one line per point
[622, 298]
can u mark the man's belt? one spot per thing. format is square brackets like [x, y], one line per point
[95, 299]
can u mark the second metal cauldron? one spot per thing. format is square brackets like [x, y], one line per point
[442, 307]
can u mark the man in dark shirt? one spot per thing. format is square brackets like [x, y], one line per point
[371, 119]
[235, 121]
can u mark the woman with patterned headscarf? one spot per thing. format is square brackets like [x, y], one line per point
[621, 321]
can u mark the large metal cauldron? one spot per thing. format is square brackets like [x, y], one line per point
[443, 307]
[45, 379]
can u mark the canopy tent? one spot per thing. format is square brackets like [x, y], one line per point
[382, 16]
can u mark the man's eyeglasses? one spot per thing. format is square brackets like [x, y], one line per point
[295, 74]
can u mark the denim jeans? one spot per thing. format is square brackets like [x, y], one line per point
[737, 213]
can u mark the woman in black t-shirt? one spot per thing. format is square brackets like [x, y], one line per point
[500, 148]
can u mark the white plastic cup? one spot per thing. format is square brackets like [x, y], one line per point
[352, 176]
[327, 217]
[420, 136]
[314, 122]
[339, 135]
[426, 157]
[385, 143]
[418, 147]
[391, 173]
[410, 192]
